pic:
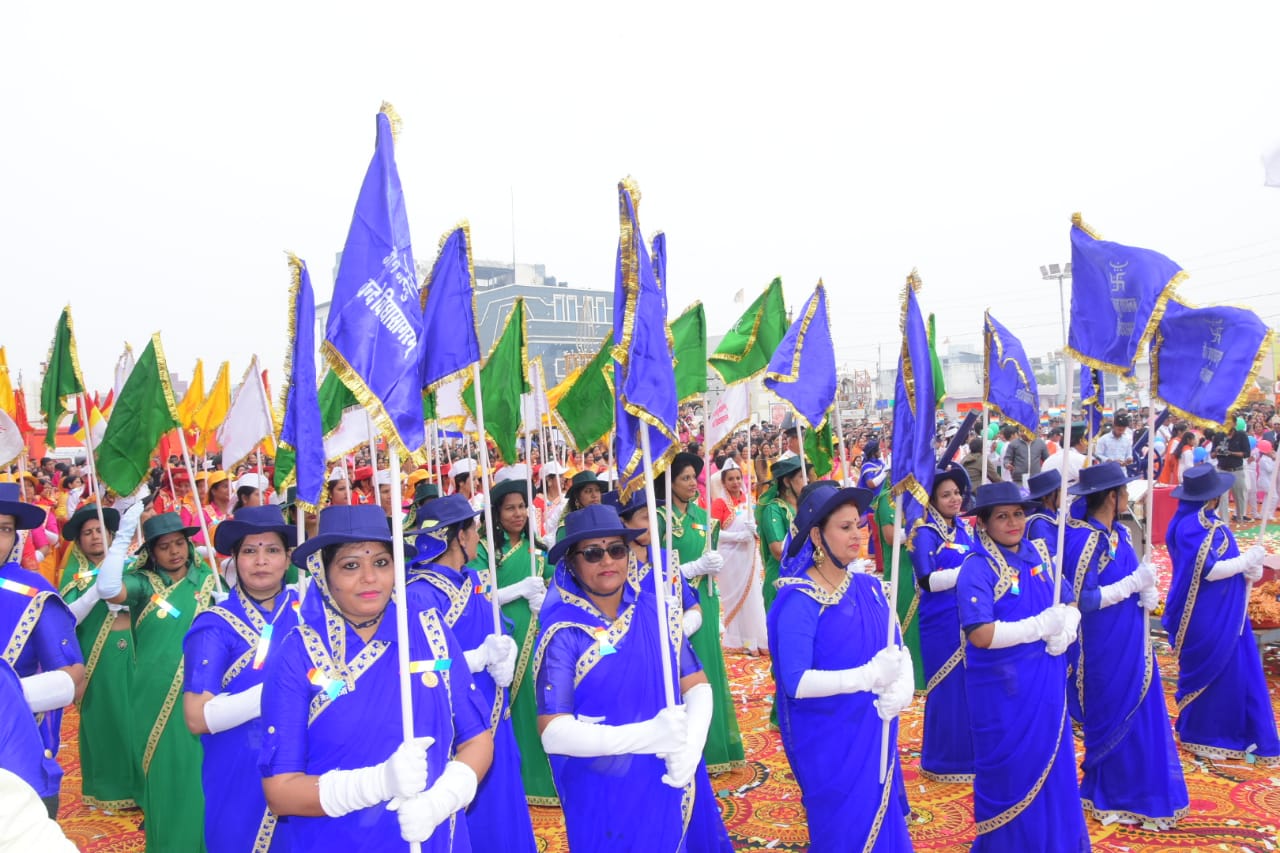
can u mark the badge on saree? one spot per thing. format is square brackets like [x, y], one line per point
[1014, 588]
[20, 588]
[602, 637]
[1038, 569]
[86, 574]
[429, 668]
[331, 687]
[957, 546]
[264, 645]
[166, 609]
[1113, 541]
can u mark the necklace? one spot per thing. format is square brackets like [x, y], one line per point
[370, 623]
[261, 602]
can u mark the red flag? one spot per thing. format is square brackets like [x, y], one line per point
[20, 413]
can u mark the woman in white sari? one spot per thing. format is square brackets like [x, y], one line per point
[742, 574]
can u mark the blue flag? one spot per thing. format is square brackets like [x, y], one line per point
[302, 430]
[660, 260]
[1118, 294]
[913, 412]
[1092, 399]
[1010, 383]
[643, 365]
[803, 368]
[449, 311]
[374, 338]
[1204, 360]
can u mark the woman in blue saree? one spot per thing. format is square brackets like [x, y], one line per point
[334, 761]
[225, 655]
[837, 680]
[1025, 795]
[623, 762]
[439, 579]
[1224, 708]
[1131, 768]
[938, 546]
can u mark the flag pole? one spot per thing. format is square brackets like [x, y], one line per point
[706, 451]
[751, 490]
[22, 477]
[488, 505]
[840, 457]
[1062, 490]
[448, 455]
[402, 610]
[986, 442]
[531, 529]
[895, 566]
[804, 468]
[93, 469]
[204, 526]
[659, 575]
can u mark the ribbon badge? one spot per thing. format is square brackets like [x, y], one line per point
[166, 609]
[429, 668]
[264, 645]
[331, 687]
[1014, 588]
[20, 588]
[602, 637]
[86, 575]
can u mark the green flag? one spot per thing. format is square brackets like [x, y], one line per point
[143, 413]
[586, 409]
[689, 351]
[285, 460]
[939, 384]
[747, 347]
[819, 448]
[62, 377]
[504, 379]
[335, 399]
[429, 405]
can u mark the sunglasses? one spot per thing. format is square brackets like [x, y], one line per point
[595, 553]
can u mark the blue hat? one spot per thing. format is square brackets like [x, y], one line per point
[1100, 478]
[1044, 483]
[1203, 483]
[339, 525]
[1000, 494]
[442, 513]
[591, 522]
[955, 472]
[27, 516]
[817, 501]
[637, 501]
[253, 519]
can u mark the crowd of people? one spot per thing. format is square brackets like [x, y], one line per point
[236, 664]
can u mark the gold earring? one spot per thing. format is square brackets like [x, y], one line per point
[819, 557]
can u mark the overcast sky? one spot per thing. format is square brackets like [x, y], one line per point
[157, 162]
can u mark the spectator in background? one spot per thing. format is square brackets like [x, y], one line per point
[1117, 445]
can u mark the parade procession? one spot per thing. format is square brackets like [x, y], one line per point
[687, 589]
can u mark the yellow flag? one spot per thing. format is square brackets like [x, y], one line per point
[7, 402]
[194, 398]
[213, 411]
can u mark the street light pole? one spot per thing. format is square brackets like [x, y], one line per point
[1060, 272]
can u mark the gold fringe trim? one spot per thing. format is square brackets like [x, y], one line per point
[163, 366]
[992, 341]
[517, 310]
[1166, 822]
[368, 400]
[109, 805]
[581, 445]
[549, 802]
[948, 778]
[1009, 814]
[717, 769]
[1222, 754]
[1079, 222]
[465, 227]
[75, 353]
[819, 297]
[695, 306]
[763, 299]
[393, 118]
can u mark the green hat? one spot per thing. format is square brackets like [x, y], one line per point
[166, 522]
[581, 480]
[784, 468]
[507, 487]
[424, 491]
[71, 530]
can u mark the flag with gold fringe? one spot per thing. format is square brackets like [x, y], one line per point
[213, 411]
[144, 411]
[62, 377]
[1118, 294]
[449, 311]
[577, 402]
[504, 378]
[643, 369]
[914, 412]
[689, 349]
[1204, 360]
[1009, 383]
[194, 398]
[803, 368]
[745, 350]
[302, 430]
[1092, 399]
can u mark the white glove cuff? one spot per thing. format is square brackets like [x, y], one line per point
[82, 606]
[228, 710]
[346, 791]
[941, 580]
[1224, 569]
[455, 788]
[691, 621]
[477, 658]
[1006, 634]
[48, 691]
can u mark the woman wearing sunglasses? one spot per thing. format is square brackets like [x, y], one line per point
[1025, 795]
[624, 764]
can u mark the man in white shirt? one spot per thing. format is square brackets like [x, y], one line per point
[1117, 445]
[1071, 458]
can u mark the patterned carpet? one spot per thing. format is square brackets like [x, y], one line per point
[1235, 806]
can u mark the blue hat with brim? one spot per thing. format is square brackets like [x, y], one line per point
[1000, 494]
[591, 522]
[1100, 478]
[817, 501]
[1043, 484]
[954, 472]
[637, 502]
[249, 520]
[1203, 483]
[339, 525]
[26, 516]
[436, 517]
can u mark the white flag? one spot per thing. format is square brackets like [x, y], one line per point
[11, 444]
[124, 366]
[731, 412]
[351, 432]
[1271, 167]
[449, 409]
[248, 420]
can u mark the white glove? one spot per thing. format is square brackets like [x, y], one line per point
[691, 622]
[228, 710]
[1062, 640]
[111, 572]
[1256, 555]
[862, 567]
[501, 651]
[1033, 629]
[420, 814]
[1146, 576]
[535, 603]
[749, 525]
[896, 698]
[402, 775]
[681, 765]
[1114, 593]
[81, 607]
[1149, 599]
[941, 580]
[665, 733]
[1253, 573]
[1221, 570]
[526, 588]
[874, 675]
[48, 691]
[709, 563]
